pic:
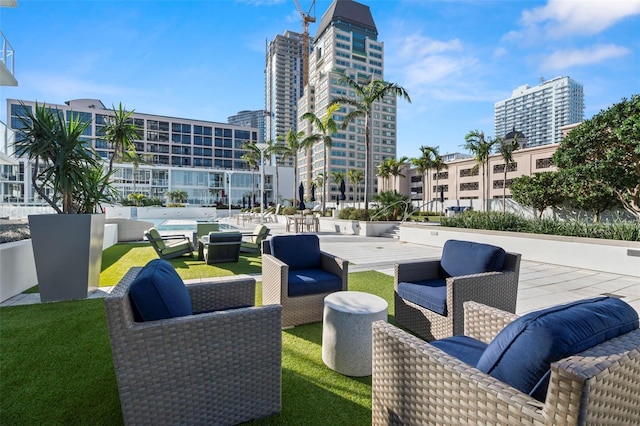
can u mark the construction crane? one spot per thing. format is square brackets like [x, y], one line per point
[306, 18]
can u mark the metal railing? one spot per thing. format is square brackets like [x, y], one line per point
[8, 54]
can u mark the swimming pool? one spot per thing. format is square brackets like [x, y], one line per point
[180, 224]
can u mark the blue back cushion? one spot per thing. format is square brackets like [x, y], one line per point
[466, 258]
[158, 293]
[298, 251]
[522, 353]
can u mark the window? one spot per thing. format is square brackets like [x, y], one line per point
[469, 186]
[468, 172]
[544, 163]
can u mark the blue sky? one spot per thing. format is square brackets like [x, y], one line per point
[205, 59]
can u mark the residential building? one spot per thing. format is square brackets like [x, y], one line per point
[461, 181]
[346, 43]
[539, 112]
[254, 119]
[196, 156]
[7, 55]
[283, 84]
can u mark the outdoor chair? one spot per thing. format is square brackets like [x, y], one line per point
[576, 364]
[429, 295]
[202, 229]
[194, 354]
[252, 243]
[221, 247]
[298, 276]
[169, 246]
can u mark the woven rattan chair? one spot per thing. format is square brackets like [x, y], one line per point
[220, 367]
[415, 383]
[497, 289]
[296, 310]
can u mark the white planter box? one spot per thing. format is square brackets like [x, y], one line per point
[617, 257]
[17, 268]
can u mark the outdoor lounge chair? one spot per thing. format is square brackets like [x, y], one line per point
[175, 365]
[252, 243]
[552, 367]
[429, 295]
[170, 246]
[222, 247]
[298, 276]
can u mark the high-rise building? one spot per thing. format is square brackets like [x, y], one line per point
[539, 112]
[253, 119]
[283, 84]
[346, 43]
[203, 158]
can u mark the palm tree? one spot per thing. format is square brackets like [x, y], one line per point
[252, 157]
[439, 165]
[275, 149]
[423, 165]
[327, 127]
[481, 150]
[319, 183]
[367, 94]
[337, 176]
[395, 170]
[120, 132]
[383, 170]
[505, 149]
[356, 176]
[294, 142]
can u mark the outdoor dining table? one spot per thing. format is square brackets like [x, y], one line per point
[299, 222]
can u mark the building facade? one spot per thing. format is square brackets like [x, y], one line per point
[283, 84]
[254, 119]
[462, 181]
[203, 158]
[346, 43]
[539, 112]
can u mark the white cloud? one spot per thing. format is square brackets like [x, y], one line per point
[564, 59]
[561, 17]
[417, 46]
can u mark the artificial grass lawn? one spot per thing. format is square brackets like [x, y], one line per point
[57, 366]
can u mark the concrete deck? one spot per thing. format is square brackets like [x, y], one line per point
[541, 284]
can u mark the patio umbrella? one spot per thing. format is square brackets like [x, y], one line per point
[441, 194]
[244, 202]
[342, 190]
[254, 200]
[301, 206]
[264, 199]
[313, 192]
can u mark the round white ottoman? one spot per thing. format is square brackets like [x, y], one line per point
[346, 330]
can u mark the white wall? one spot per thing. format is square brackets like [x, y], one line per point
[17, 268]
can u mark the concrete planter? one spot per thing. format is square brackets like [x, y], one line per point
[17, 268]
[355, 227]
[618, 257]
[68, 254]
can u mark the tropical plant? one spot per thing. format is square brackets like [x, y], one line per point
[337, 176]
[177, 196]
[65, 164]
[131, 156]
[438, 164]
[540, 191]
[505, 149]
[327, 127]
[120, 132]
[480, 147]
[392, 204]
[586, 193]
[275, 150]
[367, 94]
[294, 142]
[252, 158]
[384, 171]
[606, 149]
[423, 164]
[356, 176]
[395, 170]
[137, 198]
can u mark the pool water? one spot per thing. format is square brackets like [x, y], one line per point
[179, 224]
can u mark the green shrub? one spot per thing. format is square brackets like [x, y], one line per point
[496, 221]
[346, 212]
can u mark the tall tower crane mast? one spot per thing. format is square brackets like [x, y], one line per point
[306, 19]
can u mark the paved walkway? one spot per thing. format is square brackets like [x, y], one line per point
[540, 285]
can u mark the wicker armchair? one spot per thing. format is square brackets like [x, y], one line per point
[416, 383]
[217, 367]
[497, 289]
[296, 310]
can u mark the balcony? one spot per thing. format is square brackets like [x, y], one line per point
[7, 65]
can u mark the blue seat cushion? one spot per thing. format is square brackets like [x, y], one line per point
[466, 349]
[522, 353]
[297, 251]
[158, 293]
[430, 294]
[466, 258]
[312, 281]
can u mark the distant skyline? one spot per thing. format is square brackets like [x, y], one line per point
[205, 59]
